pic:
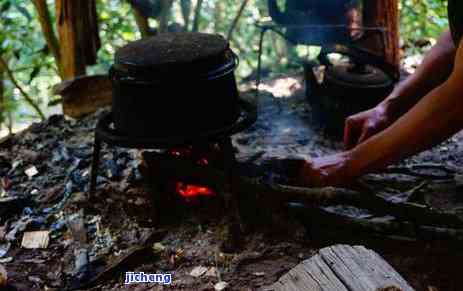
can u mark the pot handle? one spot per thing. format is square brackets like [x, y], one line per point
[363, 56]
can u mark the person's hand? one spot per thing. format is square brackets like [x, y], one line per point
[363, 125]
[334, 170]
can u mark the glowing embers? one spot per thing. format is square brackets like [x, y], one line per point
[200, 157]
[192, 191]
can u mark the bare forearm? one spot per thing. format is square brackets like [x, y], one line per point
[433, 71]
[436, 117]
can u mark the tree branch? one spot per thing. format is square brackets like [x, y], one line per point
[48, 31]
[26, 96]
[236, 20]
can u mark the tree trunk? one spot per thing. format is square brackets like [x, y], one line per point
[197, 17]
[164, 17]
[78, 35]
[384, 13]
[185, 6]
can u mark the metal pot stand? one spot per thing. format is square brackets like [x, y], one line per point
[105, 133]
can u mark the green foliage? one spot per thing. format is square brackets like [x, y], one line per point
[422, 19]
[23, 46]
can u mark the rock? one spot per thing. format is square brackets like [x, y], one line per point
[36, 240]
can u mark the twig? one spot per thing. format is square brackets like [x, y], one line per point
[26, 96]
[236, 19]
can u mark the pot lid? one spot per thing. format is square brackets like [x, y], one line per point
[173, 53]
[357, 75]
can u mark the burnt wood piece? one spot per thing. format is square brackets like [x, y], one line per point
[343, 268]
[84, 95]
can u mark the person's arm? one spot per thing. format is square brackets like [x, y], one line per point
[433, 119]
[433, 71]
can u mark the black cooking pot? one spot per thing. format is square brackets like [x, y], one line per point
[174, 84]
[344, 89]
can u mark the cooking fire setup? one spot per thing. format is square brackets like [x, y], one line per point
[176, 94]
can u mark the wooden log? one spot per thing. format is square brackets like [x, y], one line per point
[342, 268]
[84, 95]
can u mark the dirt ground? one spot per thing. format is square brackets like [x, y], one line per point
[116, 228]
